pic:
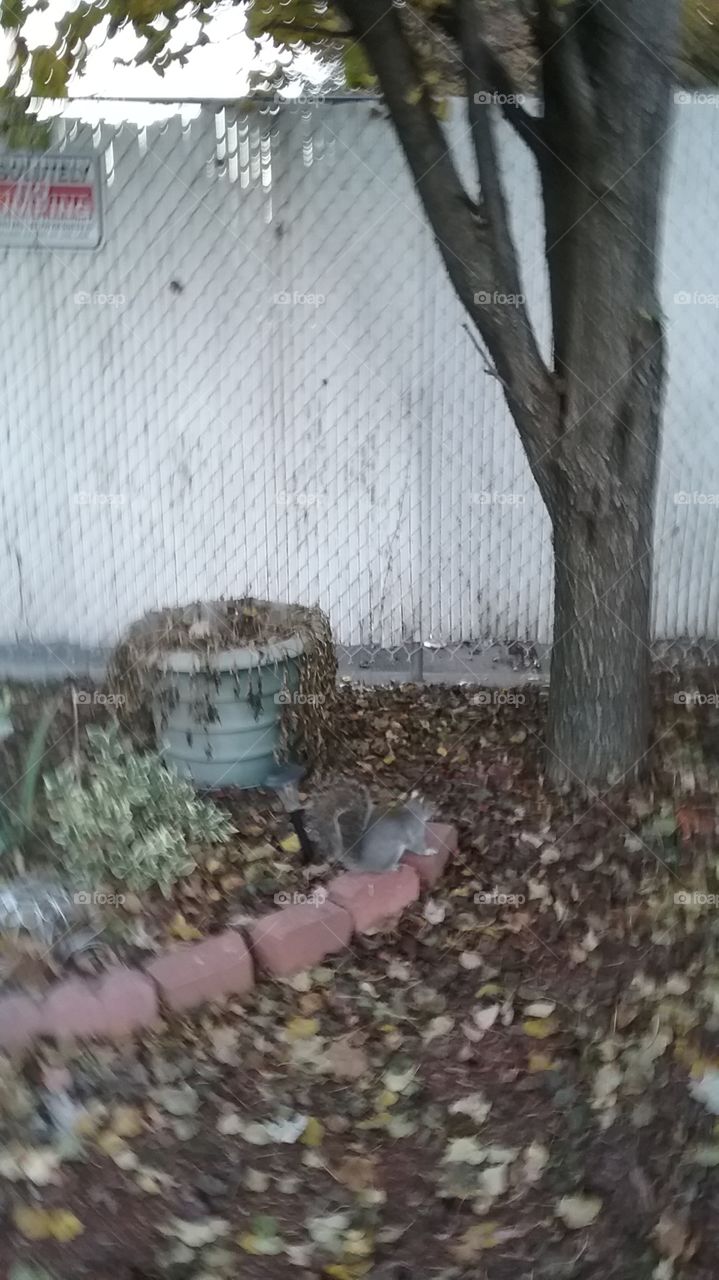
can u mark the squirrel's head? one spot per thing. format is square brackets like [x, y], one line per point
[420, 808]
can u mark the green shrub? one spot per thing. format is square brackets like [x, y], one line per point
[18, 810]
[126, 818]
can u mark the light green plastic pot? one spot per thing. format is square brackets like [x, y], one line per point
[217, 718]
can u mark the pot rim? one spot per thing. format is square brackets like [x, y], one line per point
[189, 661]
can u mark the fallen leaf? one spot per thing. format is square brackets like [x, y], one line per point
[230, 1124]
[464, 1151]
[346, 1060]
[536, 1159]
[314, 1133]
[64, 1226]
[577, 1212]
[539, 1062]
[126, 1122]
[179, 928]
[474, 1105]
[287, 1130]
[399, 1078]
[33, 1224]
[484, 1019]
[180, 1101]
[540, 1009]
[671, 1235]
[290, 844]
[301, 1028]
[328, 1231]
[47, 1224]
[196, 1234]
[342, 1271]
[262, 1239]
[39, 1165]
[706, 1090]
[706, 1155]
[356, 1172]
[474, 1241]
[540, 1028]
[438, 1027]
[434, 912]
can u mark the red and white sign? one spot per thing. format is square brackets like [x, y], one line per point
[49, 202]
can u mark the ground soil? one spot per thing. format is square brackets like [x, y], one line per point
[553, 949]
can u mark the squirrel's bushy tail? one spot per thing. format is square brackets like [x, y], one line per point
[338, 816]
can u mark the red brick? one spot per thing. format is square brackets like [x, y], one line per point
[430, 867]
[695, 820]
[372, 898]
[299, 937]
[121, 1002]
[20, 1022]
[200, 971]
[129, 1000]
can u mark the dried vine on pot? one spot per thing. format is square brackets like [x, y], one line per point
[137, 670]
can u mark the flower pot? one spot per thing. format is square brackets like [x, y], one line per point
[217, 715]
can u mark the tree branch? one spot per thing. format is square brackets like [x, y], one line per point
[564, 71]
[480, 271]
[530, 128]
[479, 97]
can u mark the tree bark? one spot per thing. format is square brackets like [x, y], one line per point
[589, 425]
[602, 182]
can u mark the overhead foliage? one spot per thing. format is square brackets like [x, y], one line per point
[44, 71]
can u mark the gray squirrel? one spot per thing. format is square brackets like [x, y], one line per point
[344, 822]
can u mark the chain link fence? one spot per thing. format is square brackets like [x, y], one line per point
[261, 382]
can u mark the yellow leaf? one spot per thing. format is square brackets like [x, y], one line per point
[314, 1133]
[386, 1099]
[540, 1028]
[179, 928]
[700, 1066]
[355, 1271]
[379, 1121]
[490, 989]
[33, 1224]
[441, 751]
[358, 1244]
[539, 1062]
[301, 1028]
[249, 1243]
[389, 758]
[290, 844]
[110, 1143]
[46, 1224]
[475, 1240]
[64, 1226]
[127, 1122]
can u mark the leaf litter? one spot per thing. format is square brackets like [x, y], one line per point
[396, 1109]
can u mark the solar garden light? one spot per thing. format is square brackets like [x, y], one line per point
[285, 781]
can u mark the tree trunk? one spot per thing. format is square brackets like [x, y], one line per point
[598, 728]
[602, 189]
[602, 496]
[590, 424]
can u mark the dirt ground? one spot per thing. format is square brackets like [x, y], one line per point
[521, 1082]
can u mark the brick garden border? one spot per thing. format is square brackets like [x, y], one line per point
[125, 1000]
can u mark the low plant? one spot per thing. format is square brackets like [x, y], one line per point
[124, 817]
[18, 807]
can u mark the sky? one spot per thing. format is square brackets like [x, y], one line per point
[218, 70]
